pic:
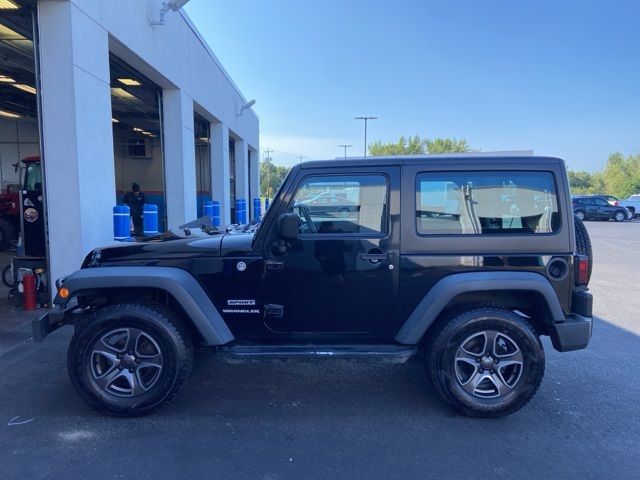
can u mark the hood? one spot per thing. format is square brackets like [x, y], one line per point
[168, 246]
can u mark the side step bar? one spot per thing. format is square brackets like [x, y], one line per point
[254, 353]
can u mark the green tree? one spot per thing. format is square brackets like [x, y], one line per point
[416, 145]
[271, 176]
[580, 182]
[622, 174]
[447, 145]
[620, 177]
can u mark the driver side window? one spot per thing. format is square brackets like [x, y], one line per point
[342, 204]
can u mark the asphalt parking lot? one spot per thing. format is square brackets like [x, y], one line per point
[340, 419]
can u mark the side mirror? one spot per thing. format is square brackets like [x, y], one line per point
[288, 225]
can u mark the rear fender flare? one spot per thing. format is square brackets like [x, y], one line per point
[446, 289]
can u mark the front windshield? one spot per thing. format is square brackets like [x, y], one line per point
[277, 195]
[33, 177]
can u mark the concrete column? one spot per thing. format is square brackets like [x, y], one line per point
[254, 176]
[78, 140]
[242, 171]
[179, 157]
[220, 187]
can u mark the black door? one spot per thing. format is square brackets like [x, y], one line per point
[590, 206]
[605, 210]
[341, 274]
[33, 235]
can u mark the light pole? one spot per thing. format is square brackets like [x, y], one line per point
[268, 159]
[345, 149]
[366, 119]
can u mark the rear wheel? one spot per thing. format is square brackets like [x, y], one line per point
[128, 359]
[485, 362]
[580, 215]
[620, 216]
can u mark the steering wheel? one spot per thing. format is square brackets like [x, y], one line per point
[306, 220]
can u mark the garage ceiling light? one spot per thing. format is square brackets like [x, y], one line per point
[114, 120]
[25, 88]
[8, 5]
[137, 129]
[130, 81]
[123, 94]
[5, 79]
[4, 113]
[7, 34]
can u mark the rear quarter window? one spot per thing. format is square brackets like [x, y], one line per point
[486, 203]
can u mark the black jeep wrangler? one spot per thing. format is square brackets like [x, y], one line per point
[463, 261]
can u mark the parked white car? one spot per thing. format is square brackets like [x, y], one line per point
[632, 204]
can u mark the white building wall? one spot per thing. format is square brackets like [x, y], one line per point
[220, 187]
[76, 37]
[242, 171]
[77, 134]
[179, 159]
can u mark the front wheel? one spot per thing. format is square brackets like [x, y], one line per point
[580, 215]
[485, 362]
[620, 216]
[128, 359]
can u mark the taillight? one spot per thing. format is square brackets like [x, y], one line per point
[582, 269]
[616, 203]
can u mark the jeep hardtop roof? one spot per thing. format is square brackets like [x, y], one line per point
[484, 159]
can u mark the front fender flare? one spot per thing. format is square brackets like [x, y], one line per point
[179, 283]
[446, 289]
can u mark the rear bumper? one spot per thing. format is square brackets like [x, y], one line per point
[51, 321]
[574, 332]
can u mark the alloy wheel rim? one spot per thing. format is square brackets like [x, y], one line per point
[488, 364]
[620, 216]
[126, 362]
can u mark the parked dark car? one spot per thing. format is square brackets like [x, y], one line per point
[329, 204]
[599, 207]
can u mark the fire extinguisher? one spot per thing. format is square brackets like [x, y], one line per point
[29, 295]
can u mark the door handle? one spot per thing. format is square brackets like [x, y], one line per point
[376, 257]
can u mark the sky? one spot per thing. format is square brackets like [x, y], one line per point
[557, 77]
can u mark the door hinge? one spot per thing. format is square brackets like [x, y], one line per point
[273, 310]
[274, 265]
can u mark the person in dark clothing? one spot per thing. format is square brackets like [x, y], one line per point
[135, 199]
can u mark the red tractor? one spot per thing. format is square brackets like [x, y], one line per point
[29, 193]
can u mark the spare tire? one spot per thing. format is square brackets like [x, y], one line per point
[583, 243]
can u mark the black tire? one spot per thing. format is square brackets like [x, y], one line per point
[445, 368]
[583, 244]
[7, 234]
[620, 216]
[151, 328]
[7, 276]
[580, 215]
